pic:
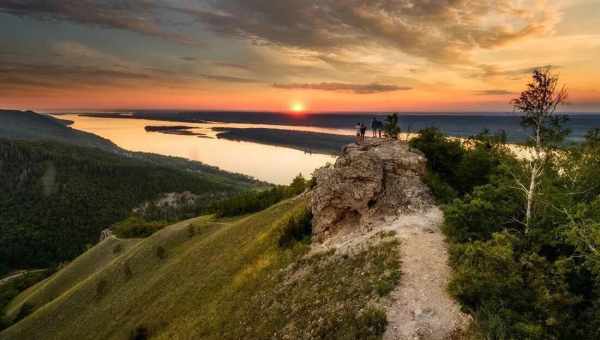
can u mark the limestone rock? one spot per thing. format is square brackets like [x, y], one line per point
[368, 182]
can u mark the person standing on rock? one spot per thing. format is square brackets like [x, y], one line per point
[363, 131]
[358, 128]
[375, 126]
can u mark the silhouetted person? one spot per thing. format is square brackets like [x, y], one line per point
[363, 130]
[358, 128]
[374, 126]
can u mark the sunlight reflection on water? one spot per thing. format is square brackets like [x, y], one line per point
[264, 162]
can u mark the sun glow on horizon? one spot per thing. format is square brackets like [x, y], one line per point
[297, 107]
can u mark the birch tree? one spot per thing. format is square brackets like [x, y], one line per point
[539, 104]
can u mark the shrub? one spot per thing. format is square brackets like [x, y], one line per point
[117, 248]
[137, 227]
[191, 230]
[161, 252]
[25, 311]
[127, 271]
[297, 228]
[139, 333]
[490, 208]
[460, 167]
[101, 288]
[441, 190]
[371, 323]
[254, 201]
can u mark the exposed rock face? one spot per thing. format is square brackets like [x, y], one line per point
[368, 182]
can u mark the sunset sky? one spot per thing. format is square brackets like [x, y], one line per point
[279, 55]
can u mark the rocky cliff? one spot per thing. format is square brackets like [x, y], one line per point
[368, 183]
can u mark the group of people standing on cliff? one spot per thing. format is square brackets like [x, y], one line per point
[361, 130]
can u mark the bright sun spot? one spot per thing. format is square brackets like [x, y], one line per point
[297, 107]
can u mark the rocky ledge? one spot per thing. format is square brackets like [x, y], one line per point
[367, 184]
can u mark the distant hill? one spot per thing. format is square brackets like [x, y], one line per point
[29, 125]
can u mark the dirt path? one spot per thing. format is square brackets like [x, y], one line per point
[421, 308]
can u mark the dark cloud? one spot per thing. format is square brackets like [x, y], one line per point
[493, 92]
[142, 16]
[233, 65]
[18, 78]
[228, 79]
[440, 31]
[356, 88]
[188, 58]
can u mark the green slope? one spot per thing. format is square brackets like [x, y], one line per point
[214, 279]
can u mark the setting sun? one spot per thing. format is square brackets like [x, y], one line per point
[297, 107]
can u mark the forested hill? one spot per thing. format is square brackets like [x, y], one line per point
[56, 198]
[29, 125]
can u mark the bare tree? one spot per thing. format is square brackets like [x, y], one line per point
[539, 103]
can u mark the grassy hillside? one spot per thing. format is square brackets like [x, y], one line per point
[210, 278]
[56, 198]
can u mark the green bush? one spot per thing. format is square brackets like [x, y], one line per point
[101, 288]
[25, 311]
[161, 253]
[441, 190]
[462, 168]
[139, 333]
[371, 323]
[254, 201]
[298, 228]
[137, 227]
[488, 209]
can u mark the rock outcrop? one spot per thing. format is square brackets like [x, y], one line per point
[367, 183]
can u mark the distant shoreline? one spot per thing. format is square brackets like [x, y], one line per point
[461, 126]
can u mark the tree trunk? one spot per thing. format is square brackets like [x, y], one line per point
[530, 196]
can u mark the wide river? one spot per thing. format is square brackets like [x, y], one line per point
[272, 164]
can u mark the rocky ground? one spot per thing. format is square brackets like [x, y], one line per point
[377, 187]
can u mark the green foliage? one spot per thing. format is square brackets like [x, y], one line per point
[488, 209]
[137, 227]
[57, 198]
[539, 284]
[462, 168]
[253, 201]
[390, 126]
[440, 189]
[371, 323]
[297, 228]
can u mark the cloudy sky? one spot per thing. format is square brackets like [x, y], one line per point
[317, 55]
